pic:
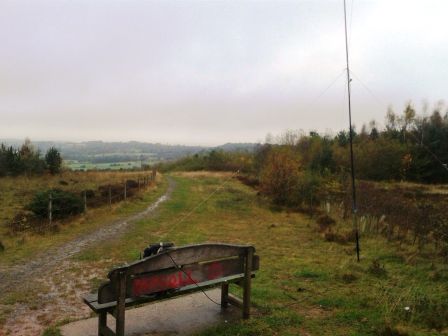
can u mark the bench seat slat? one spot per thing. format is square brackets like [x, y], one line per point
[92, 299]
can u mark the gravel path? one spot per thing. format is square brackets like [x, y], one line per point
[53, 264]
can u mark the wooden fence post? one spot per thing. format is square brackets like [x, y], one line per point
[154, 172]
[125, 185]
[110, 197]
[85, 201]
[50, 209]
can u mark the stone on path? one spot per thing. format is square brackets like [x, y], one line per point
[184, 315]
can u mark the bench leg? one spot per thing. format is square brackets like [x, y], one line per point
[224, 295]
[247, 284]
[119, 318]
[119, 325]
[102, 322]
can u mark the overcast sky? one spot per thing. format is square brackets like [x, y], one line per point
[210, 72]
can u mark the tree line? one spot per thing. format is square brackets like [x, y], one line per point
[294, 166]
[27, 160]
[411, 147]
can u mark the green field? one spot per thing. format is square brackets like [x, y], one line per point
[76, 165]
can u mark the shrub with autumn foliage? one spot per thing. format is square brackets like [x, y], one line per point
[279, 177]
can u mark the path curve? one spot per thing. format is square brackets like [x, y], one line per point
[10, 277]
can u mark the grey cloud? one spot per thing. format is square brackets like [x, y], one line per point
[202, 72]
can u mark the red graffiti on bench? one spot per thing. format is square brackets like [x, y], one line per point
[176, 279]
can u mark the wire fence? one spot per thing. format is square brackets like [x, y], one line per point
[398, 216]
[55, 209]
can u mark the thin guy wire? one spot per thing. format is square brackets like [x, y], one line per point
[188, 275]
[173, 226]
[328, 87]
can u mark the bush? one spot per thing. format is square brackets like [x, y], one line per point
[215, 160]
[280, 176]
[325, 222]
[116, 191]
[389, 152]
[89, 193]
[131, 184]
[308, 190]
[64, 204]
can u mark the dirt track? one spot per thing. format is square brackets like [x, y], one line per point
[55, 270]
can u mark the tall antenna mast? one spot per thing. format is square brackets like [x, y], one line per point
[352, 165]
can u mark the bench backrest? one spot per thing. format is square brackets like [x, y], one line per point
[177, 268]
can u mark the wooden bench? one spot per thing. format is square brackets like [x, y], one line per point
[174, 272]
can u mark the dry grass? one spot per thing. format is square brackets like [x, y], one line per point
[438, 189]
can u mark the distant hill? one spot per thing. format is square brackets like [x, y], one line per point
[110, 152]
